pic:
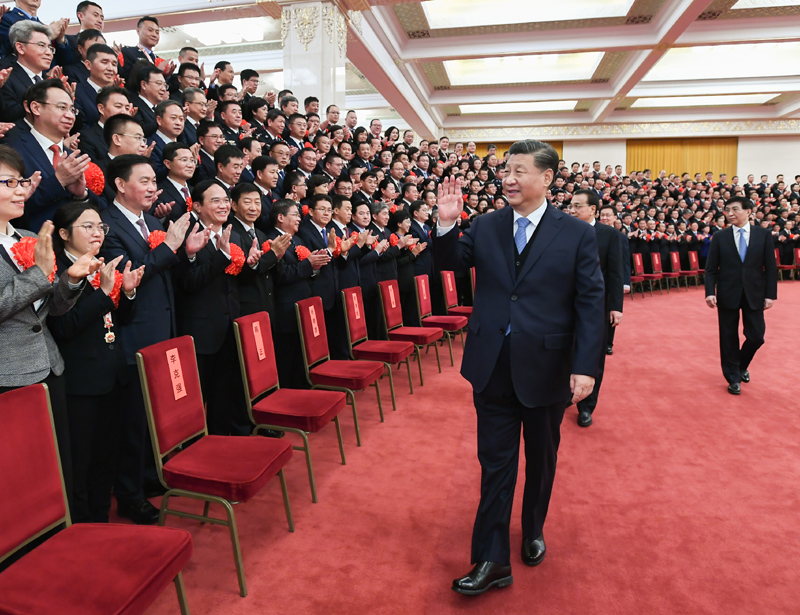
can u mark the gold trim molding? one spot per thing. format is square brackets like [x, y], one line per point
[306, 22]
[600, 131]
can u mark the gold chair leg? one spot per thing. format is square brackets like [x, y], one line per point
[380, 404]
[237, 550]
[181, 590]
[450, 345]
[661, 287]
[286, 504]
[352, 396]
[419, 364]
[205, 511]
[339, 436]
[307, 450]
[410, 382]
[462, 338]
[438, 360]
[391, 385]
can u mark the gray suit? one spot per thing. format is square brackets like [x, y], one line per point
[27, 350]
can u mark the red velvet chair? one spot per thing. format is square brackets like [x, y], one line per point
[333, 375]
[214, 469]
[451, 296]
[448, 324]
[83, 569]
[297, 411]
[782, 268]
[675, 261]
[797, 262]
[655, 259]
[694, 267]
[393, 320]
[362, 348]
[638, 267]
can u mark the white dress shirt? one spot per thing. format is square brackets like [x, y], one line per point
[737, 234]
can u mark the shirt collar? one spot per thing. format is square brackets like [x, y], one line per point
[246, 225]
[147, 102]
[180, 187]
[129, 215]
[28, 71]
[93, 85]
[46, 142]
[316, 226]
[534, 217]
[164, 137]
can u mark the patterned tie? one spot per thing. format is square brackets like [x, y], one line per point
[252, 233]
[521, 237]
[56, 154]
[36, 78]
[185, 192]
[742, 245]
[143, 228]
[324, 237]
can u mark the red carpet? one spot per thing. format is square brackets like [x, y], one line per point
[679, 499]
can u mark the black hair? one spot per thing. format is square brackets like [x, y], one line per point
[88, 35]
[115, 125]
[262, 162]
[226, 153]
[122, 167]
[64, 217]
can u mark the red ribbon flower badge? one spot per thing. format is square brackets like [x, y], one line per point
[302, 253]
[114, 294]
[266, 246]
[189, 204]
[393, 240]
[305, 210]
[337, 251]
[464, 215]
[95, 180]
[23, 250]
[393, 209]
[237, 260]
[156, 238]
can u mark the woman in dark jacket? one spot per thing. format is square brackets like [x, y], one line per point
[400, 224]
[95, 368]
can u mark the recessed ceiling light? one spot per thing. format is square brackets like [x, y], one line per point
[520, 107]
[761, 4]
[523, 69]
[727, 62]
[701, 101]
[472, 13]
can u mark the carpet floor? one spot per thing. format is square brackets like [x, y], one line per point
[679, 499]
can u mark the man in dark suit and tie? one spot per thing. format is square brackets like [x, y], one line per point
[33, 54]
[134, 182]
[195, 110]
[90, 17]
[26, 10]
[110, 101]
[266, 172]
[534, 343]
[210, 138]
[42, 148]
[169, 117]
[175, 188]
[102, 64]
[584, 205]
[741, 276]
[150, 88]
[149, 35]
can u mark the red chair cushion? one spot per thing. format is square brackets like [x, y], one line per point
[388, 352]
[652, 276]
[300, 408]
[460, 310]
[416, 335]
[354, 375]
[668, 274]
[448, 323]
[229, 467]
[637, 278]
[96, 569]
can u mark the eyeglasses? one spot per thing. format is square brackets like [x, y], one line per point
[219, 201]
[42, 46]
[139, 138]
[185, 160]
[62, 107]
[13, 182]
[324, 210]
[158, 83]
[91, 228]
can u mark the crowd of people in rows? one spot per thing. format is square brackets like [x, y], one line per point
[143, 199]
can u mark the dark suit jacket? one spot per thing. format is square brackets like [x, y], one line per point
[171, 194]
[423, 265]
[154, 320]
[157, 157]
[206, 298]
[189, 135]
[77, 71]
[324, 284]
[610, 252]
[92, 366]
[291, 285]
[347, 268]
[144, 115]
[50, 194]
[554, 305]
[205, 170]
[130, 56]
[92, 142]
[385, 268]
[61, 57]
[256, 288]
[728, 277]
[14, 89]
[367, 268]
[86, 103]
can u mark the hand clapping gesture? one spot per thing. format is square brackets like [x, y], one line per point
[254, 255]
[280, 244]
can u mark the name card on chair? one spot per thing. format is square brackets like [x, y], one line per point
[259, 340]
[424, 292]
[356, 308]
[176, 374]
[450, 284]
[391, 297]
[314, 326]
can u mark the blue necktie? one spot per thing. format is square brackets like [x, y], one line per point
[521, 237]
[742, 245]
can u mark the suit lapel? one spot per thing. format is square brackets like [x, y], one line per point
[126, 227]
[550, 227]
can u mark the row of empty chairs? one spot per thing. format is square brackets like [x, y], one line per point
[223, 470]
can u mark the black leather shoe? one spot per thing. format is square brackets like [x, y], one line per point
[609, 350]
[584, 419]
[483, 577]
[271, 433]
[735, 388]
[154, 489]
[533, 551]
[745, 376]
[141, 512]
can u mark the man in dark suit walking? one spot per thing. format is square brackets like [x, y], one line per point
[584, 206]
[534, 343]
[741, 276]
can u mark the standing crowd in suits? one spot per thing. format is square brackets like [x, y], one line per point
[211, 203]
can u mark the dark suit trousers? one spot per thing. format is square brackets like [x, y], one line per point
[221, 382]
[135, 461]
[337, 331]
[734, 359]
[501, 418]
[589, 403]
[58, 403]
[94, 434]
